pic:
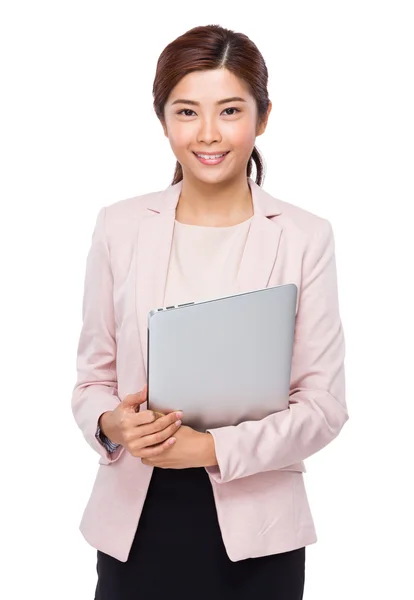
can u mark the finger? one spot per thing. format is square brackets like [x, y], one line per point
[159, 437]
[143, 418]
[150, 452]
[155, 425]
[135, 399]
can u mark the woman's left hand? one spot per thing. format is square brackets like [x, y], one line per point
[190, 449]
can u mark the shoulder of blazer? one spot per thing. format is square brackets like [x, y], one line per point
[131, 208]
[303, 222]
[123, 216]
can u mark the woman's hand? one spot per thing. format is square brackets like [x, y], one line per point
[191, 449]
[144, 434]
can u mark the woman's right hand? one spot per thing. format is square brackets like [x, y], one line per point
[144, 434]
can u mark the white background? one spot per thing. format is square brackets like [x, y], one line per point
[78, 132]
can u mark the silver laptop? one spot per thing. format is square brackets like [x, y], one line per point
[223, 361]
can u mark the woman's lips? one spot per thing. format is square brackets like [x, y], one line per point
[210, 161]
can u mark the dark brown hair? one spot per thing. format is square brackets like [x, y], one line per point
[213, 47]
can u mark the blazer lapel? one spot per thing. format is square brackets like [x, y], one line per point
[155, 235]
[262, 242]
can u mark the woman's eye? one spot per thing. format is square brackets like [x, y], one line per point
[187, 110]
[232, 108]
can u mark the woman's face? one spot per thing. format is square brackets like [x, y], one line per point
[202, 115]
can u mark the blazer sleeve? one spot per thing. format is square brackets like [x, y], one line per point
[317, 406]
[96, 389]
[109, 444]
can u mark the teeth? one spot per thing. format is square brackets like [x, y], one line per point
[209, 157]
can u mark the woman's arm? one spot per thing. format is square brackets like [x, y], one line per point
[318, 408]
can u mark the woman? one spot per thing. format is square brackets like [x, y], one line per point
[222, 513]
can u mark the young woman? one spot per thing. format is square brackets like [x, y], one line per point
[174, 512]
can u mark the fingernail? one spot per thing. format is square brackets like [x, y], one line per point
[179, 414]
[178, 423]
[171, 441]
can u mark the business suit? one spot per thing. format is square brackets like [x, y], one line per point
[258, 483]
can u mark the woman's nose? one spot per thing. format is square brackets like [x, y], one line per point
[208, 132]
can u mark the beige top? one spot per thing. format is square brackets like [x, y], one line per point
[204, 262]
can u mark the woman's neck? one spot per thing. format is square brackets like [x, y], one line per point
[214, 205]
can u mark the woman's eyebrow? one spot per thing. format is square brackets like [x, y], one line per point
[194, 103]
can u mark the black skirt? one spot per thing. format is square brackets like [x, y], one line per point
[178, 552]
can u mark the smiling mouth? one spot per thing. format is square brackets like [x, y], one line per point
[211, 159]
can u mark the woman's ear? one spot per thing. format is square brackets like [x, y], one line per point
[263, 124]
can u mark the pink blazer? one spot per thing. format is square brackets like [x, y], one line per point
[258, 485]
